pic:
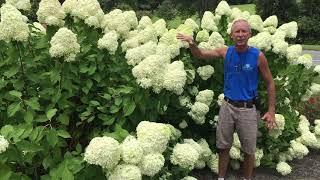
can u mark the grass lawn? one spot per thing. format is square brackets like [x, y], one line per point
[311, 47]
[251, 8]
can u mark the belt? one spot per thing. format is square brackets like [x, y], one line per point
[240, 104]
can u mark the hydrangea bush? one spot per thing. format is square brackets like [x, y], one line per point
[93, 94]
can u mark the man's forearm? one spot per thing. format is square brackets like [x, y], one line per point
[195, 50]
[271, 97]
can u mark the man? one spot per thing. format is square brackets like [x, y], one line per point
[238, 112]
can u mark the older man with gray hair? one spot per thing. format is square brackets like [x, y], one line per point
[238, 112]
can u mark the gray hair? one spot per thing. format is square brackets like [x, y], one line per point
[240, 20]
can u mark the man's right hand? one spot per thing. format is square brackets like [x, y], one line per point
[185, 38]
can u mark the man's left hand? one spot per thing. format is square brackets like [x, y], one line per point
[269, 117]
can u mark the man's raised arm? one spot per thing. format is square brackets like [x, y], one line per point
[202, 53]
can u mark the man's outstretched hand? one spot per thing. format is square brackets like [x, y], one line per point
[269, 117]
[185, 38]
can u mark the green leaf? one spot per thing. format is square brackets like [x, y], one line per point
[64, 119]
[28, 117]
[50, 113]
[107, 120]
[63, 133]
[33, 103]
[118, 101]
[15, 93]
[129, 108]
[114, 109]
[27, 146]
[66, 174]
[95, 103]
[106, 96]
[11, 72]
[7, 130]
[52, 137]
[13, 108]
[5, 172]
[54, 76]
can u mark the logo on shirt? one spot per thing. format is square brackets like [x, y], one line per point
[247, 67]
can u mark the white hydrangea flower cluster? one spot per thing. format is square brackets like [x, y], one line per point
[12, 25]
[223, 8]
[207, 22]
[305, 60]
[125, 171]
[151, 164]
[293, 52]
[235, 153]
[202, 36]
[20, 4]
[175, 133]
[271, 21]
[261, 40]
[280, 122]
[147, 34]
[193, 90]
[69, 5]
[283, 168]
[236, 141]
[155, 71]
[280, 47]
[256, 22]
[291, 29]
[317, 127]
[201, 107]
[220, 99]
[185, 101]
[189, 178]
[122, 22]
[191, 23]
[153, 137]
[317, 69]
[200, 163]
[131, 150]
[205, 96]
[175, 77]
[297, 149]
[198, 112]
[235, 12]
[160, 26]
[315, 88]
[50, 12]
[308, 139]
[303, 124]
[64, 44]
[109, 41]
[4, 144]
[144, 22]
[213, 163]
[216, 40]
[184, 155]
[205, 72]
[135, 55]
[89, 11]
[258, 156]
[103, 151]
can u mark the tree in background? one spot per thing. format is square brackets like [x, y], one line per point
[285, 10]
[305, 12]
[309, 22]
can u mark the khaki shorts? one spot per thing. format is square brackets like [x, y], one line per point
[242, 120]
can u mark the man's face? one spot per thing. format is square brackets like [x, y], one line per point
[240, 33]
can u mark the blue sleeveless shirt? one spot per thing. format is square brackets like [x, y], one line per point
[241, 74]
